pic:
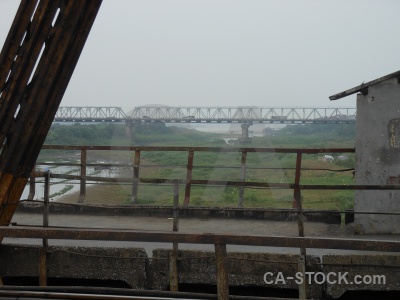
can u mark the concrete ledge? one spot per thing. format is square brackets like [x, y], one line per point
[330, 217]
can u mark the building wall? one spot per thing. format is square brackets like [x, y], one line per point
[378, 157]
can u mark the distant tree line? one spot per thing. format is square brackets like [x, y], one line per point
[339, 130]
[82, 134]
[116, 134]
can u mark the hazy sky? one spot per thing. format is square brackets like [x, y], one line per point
[269, 53]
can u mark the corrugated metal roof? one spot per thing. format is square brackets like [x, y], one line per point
[363, 88]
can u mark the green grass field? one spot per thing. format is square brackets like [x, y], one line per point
[224, 166]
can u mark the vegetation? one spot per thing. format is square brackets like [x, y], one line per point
[62, 192]
[261, 167]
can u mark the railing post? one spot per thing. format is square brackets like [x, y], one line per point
[242, 177]
[135, 183]
[32, 184]
[45, 245]
[173, 255]
[300, 223]
[222, 271]
[82, 190]
[189, 177]
[176, 206]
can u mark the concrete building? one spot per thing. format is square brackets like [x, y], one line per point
[377, 153]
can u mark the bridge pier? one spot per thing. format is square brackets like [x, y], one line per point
[129, 130]
[244, 138]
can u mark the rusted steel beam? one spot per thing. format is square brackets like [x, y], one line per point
[205, 238]
[36, 64]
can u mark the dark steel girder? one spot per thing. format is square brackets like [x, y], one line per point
[36, 63]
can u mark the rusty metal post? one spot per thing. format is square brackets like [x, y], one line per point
[221, 258]
[189, 178]
[32, 184]
[297, 194]
[135, 183]
[300, 224]
[301, 268]
[176, 206]
[173, 255]
[82, 189]
[242, 177]
[45, 244]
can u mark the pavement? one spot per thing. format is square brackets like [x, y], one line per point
[192, 225]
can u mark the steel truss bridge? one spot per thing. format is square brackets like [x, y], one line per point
[196, 114]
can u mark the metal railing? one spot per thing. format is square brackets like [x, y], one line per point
[189, 181]
[220, 241]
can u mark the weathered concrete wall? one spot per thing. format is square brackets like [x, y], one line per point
[382, 270]
[245, 269]
[122, 264]
[133, 267]
[378, 157]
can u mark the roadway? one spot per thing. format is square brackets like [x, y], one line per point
[192, 225]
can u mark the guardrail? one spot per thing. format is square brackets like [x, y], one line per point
[188, 182]
[220, 241]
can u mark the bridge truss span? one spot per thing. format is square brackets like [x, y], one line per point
[197, 114]
[90, 113]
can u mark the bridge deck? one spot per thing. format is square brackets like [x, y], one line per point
[191, 225]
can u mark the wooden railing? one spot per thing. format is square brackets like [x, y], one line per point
[219, 241]
[188, 182]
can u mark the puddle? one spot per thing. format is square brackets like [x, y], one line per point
[60, 187]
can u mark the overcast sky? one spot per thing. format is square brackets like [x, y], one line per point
[270, 53]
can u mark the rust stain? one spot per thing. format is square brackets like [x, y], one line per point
[394, 132]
